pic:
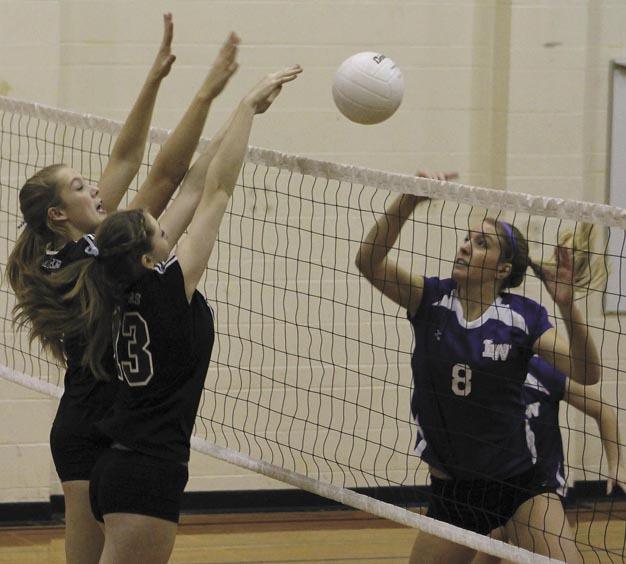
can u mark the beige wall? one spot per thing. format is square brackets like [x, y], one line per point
[509, 93]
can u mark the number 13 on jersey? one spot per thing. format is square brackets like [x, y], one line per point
[134, 359]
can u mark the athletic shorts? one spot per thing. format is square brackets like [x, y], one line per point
[74, 454]
[126, 481]
[74, 441]
[483, 505]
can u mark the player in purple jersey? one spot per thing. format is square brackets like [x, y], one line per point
[163, 338]
[473, 343]
[544, 389]
[60, 209]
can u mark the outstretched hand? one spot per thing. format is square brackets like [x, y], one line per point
[268, 89]
[164, 59]
[223, 67]
[437, 175]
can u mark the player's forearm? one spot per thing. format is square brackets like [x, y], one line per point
[131, 142]
[194, 181]
[224, 168]
[384, 233]
[174, 157]
[127, 153]
[583, 352]
[609, 433]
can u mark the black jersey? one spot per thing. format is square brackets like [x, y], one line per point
[80, 385]
[162, 345]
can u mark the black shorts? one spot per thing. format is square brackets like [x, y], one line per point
[74, 454]
[483, 505]
[74, 442]
[126, 481]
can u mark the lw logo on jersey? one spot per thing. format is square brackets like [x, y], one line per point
[496, 351]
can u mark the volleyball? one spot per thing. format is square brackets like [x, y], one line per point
[368, 88]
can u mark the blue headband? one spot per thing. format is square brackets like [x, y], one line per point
[509, 233]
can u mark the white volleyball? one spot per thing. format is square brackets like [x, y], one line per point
[368, 88]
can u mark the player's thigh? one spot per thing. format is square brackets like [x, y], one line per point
[77, 504]
[483, 558]
[428, 549]
[131, 539]
[84, 536]
[540, 525]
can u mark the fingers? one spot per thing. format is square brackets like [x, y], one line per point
[275, 80]
[443, 176]
[229, 49]
[291, 73]
[610, 484]
[168, 30]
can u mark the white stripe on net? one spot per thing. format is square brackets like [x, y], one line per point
[341, 495]
[475, 196]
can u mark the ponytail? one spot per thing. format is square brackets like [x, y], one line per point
[589, 271]
[92, 289]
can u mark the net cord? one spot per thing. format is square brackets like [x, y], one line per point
[601, 214]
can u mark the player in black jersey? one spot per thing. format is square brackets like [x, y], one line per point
[60, 210]
[163, 336]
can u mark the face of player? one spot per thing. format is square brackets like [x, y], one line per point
[478, 258]
[81, 208]
[160, 244]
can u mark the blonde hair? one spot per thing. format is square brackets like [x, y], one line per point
[590, 271]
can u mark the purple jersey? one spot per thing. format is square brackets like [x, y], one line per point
[468, 381]
[543, 390]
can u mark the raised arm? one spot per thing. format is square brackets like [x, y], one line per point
[194, 251]
[179, 214]
[588, 400]
[172, 162]
[130, 145]
[372, 260]
[579, 358]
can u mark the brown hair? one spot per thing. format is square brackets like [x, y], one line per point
[37, 196]
[513, 249]
[78, 301]
[23, 270]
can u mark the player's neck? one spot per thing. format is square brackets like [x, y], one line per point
[475, 300]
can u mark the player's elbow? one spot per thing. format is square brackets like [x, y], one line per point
[363, 264]
[593, 374]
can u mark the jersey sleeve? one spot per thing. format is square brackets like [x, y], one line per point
[166, 287]
[434, 288]
[537, 321]
[548, 376]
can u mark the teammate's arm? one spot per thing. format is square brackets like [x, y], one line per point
[588, 400]
[579, 358]
[180, 212]
[172, 162]
[129, 147]
[194, 251]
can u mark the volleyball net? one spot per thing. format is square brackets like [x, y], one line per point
[310, 378]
